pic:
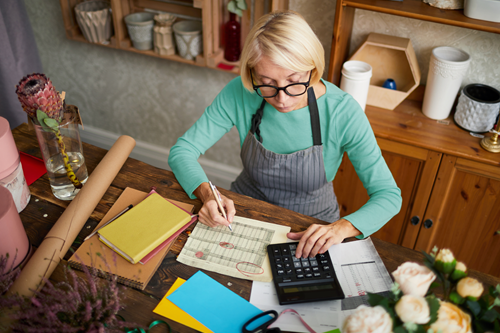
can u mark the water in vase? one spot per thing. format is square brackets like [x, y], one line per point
[61, 185]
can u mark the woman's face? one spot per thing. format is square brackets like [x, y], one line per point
[266, 72]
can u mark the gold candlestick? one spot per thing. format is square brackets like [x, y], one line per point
[491, 143]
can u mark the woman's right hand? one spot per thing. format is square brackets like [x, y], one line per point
[209, 213]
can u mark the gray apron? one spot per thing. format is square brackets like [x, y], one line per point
[295, 181]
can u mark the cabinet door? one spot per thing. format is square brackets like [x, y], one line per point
[465, 212]
[414, 170]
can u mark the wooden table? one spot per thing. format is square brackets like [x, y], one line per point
[141, 176]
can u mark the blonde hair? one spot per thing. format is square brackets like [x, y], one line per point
[289, 42]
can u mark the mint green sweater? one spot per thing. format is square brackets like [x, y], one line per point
[344, 128]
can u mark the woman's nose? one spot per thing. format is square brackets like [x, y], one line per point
[282, 96]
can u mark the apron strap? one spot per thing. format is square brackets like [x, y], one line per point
[313, 112]
[256, 119]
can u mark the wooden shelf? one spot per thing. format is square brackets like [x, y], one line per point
[408, 125]
[212, 13]
[417, 9]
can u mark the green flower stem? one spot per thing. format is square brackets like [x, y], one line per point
[67, 165]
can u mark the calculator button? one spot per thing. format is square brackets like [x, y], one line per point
[307, 270]
[293, 246]
[305, 263]
[300, 276]
[328, 276]
[277, 259]
[285, 259]
[287, 280]
[295, 259]
[285, 251]
[315, 269]
[297, 264]
[317, 274]
[280, 272]
[288, 271]
[321, 255]
[298, 271]
[279, 266]
[326, 268]
[288, 265]
[309, 275]
[324, 262]
[292, 252]
[313, 262]
[276, 252]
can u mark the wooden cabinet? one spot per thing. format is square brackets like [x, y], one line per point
[212, 13]
[449, 184]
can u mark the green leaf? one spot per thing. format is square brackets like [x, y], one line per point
[429, 258]
[52, 123]
[434, 305]
[41, 116]
[242, 4]
[497, 326]
[375, 299]
[456, 298]
[474, 307]
[490, 316]
[400, 329]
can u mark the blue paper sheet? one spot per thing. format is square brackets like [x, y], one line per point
[214, 305]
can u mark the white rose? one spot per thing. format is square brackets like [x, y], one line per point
[461, 267]
[445, 255]
[368, 320]
[413, 279]
[470, 287]
[451, 320]
[413, 309]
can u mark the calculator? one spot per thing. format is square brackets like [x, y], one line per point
[299, 280]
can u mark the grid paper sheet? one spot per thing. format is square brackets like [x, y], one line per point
[241, 253]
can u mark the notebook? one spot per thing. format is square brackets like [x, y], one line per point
[140, 230]
[93, 253]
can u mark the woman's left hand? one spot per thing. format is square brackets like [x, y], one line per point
[318, 238]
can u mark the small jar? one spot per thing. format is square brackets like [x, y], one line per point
[163, 37]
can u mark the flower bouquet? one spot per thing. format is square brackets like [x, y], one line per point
[412, 307]
[56, 126]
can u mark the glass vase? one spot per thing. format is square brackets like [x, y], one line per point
[232, 39]
[63, 155]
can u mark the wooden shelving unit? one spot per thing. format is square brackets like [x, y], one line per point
[416, 9]
[212, 13]
[449, 184]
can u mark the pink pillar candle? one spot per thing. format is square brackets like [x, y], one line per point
[13, 238]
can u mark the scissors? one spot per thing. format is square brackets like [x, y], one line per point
[263, 328]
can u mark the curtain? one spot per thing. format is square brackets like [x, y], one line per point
[18, 57]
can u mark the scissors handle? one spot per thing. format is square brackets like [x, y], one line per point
[262, 328]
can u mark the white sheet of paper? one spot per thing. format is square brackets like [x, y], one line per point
[359, 269]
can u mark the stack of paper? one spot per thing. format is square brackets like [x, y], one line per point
[207, 306]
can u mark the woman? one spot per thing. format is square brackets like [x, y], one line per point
[294, 128]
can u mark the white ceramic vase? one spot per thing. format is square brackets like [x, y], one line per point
[447, 68]
[355, 80]
[188, 38]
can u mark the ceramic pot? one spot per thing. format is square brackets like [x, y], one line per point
[95, 21]
[163, 39]
[355, 80]
[188, 38]
[477, 108]
[140, 30]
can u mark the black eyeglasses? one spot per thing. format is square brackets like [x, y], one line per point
[294, 89]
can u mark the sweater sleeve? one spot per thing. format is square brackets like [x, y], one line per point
[206, 131]
[358, 140]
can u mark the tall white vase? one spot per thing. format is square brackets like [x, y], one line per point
[447, 68]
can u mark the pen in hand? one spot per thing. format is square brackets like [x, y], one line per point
[219, 201]
[105, 224]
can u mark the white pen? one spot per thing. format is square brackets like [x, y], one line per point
[219, 201]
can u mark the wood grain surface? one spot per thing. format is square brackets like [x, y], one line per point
[44, 210]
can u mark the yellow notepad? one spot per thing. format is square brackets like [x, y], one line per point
[140, 230]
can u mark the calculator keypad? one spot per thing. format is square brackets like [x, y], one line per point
[290, 269]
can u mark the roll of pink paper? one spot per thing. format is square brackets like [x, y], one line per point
[13, 238]
[11, 170]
